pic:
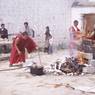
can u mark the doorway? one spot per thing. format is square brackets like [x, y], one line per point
[88, 22]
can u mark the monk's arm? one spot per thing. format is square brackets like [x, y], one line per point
[16, 45]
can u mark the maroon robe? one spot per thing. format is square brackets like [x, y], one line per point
[22, 43]
[30, 45]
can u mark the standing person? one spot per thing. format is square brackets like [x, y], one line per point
[74, 36]
[30, 32]
[48, 37]
[3, 32]
[3, 35]
[21, 42]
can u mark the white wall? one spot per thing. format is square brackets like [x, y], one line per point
[39, 13]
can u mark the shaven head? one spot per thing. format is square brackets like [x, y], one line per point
[75, 23]
[24, 33]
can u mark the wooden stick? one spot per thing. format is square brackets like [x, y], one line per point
[9, 69]
[39, 57]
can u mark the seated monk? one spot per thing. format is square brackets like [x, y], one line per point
[91, 35]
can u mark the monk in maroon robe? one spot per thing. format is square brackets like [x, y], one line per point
[21, 42]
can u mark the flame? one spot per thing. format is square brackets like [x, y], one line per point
[81, 56]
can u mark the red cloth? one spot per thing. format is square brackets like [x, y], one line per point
[72, 29]
[92, 37]
[22, 43]
[30, 45]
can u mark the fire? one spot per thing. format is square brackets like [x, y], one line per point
[82, 57]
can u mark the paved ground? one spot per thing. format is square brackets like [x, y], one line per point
[20, 82]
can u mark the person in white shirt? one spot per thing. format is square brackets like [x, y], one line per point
[30, 31]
